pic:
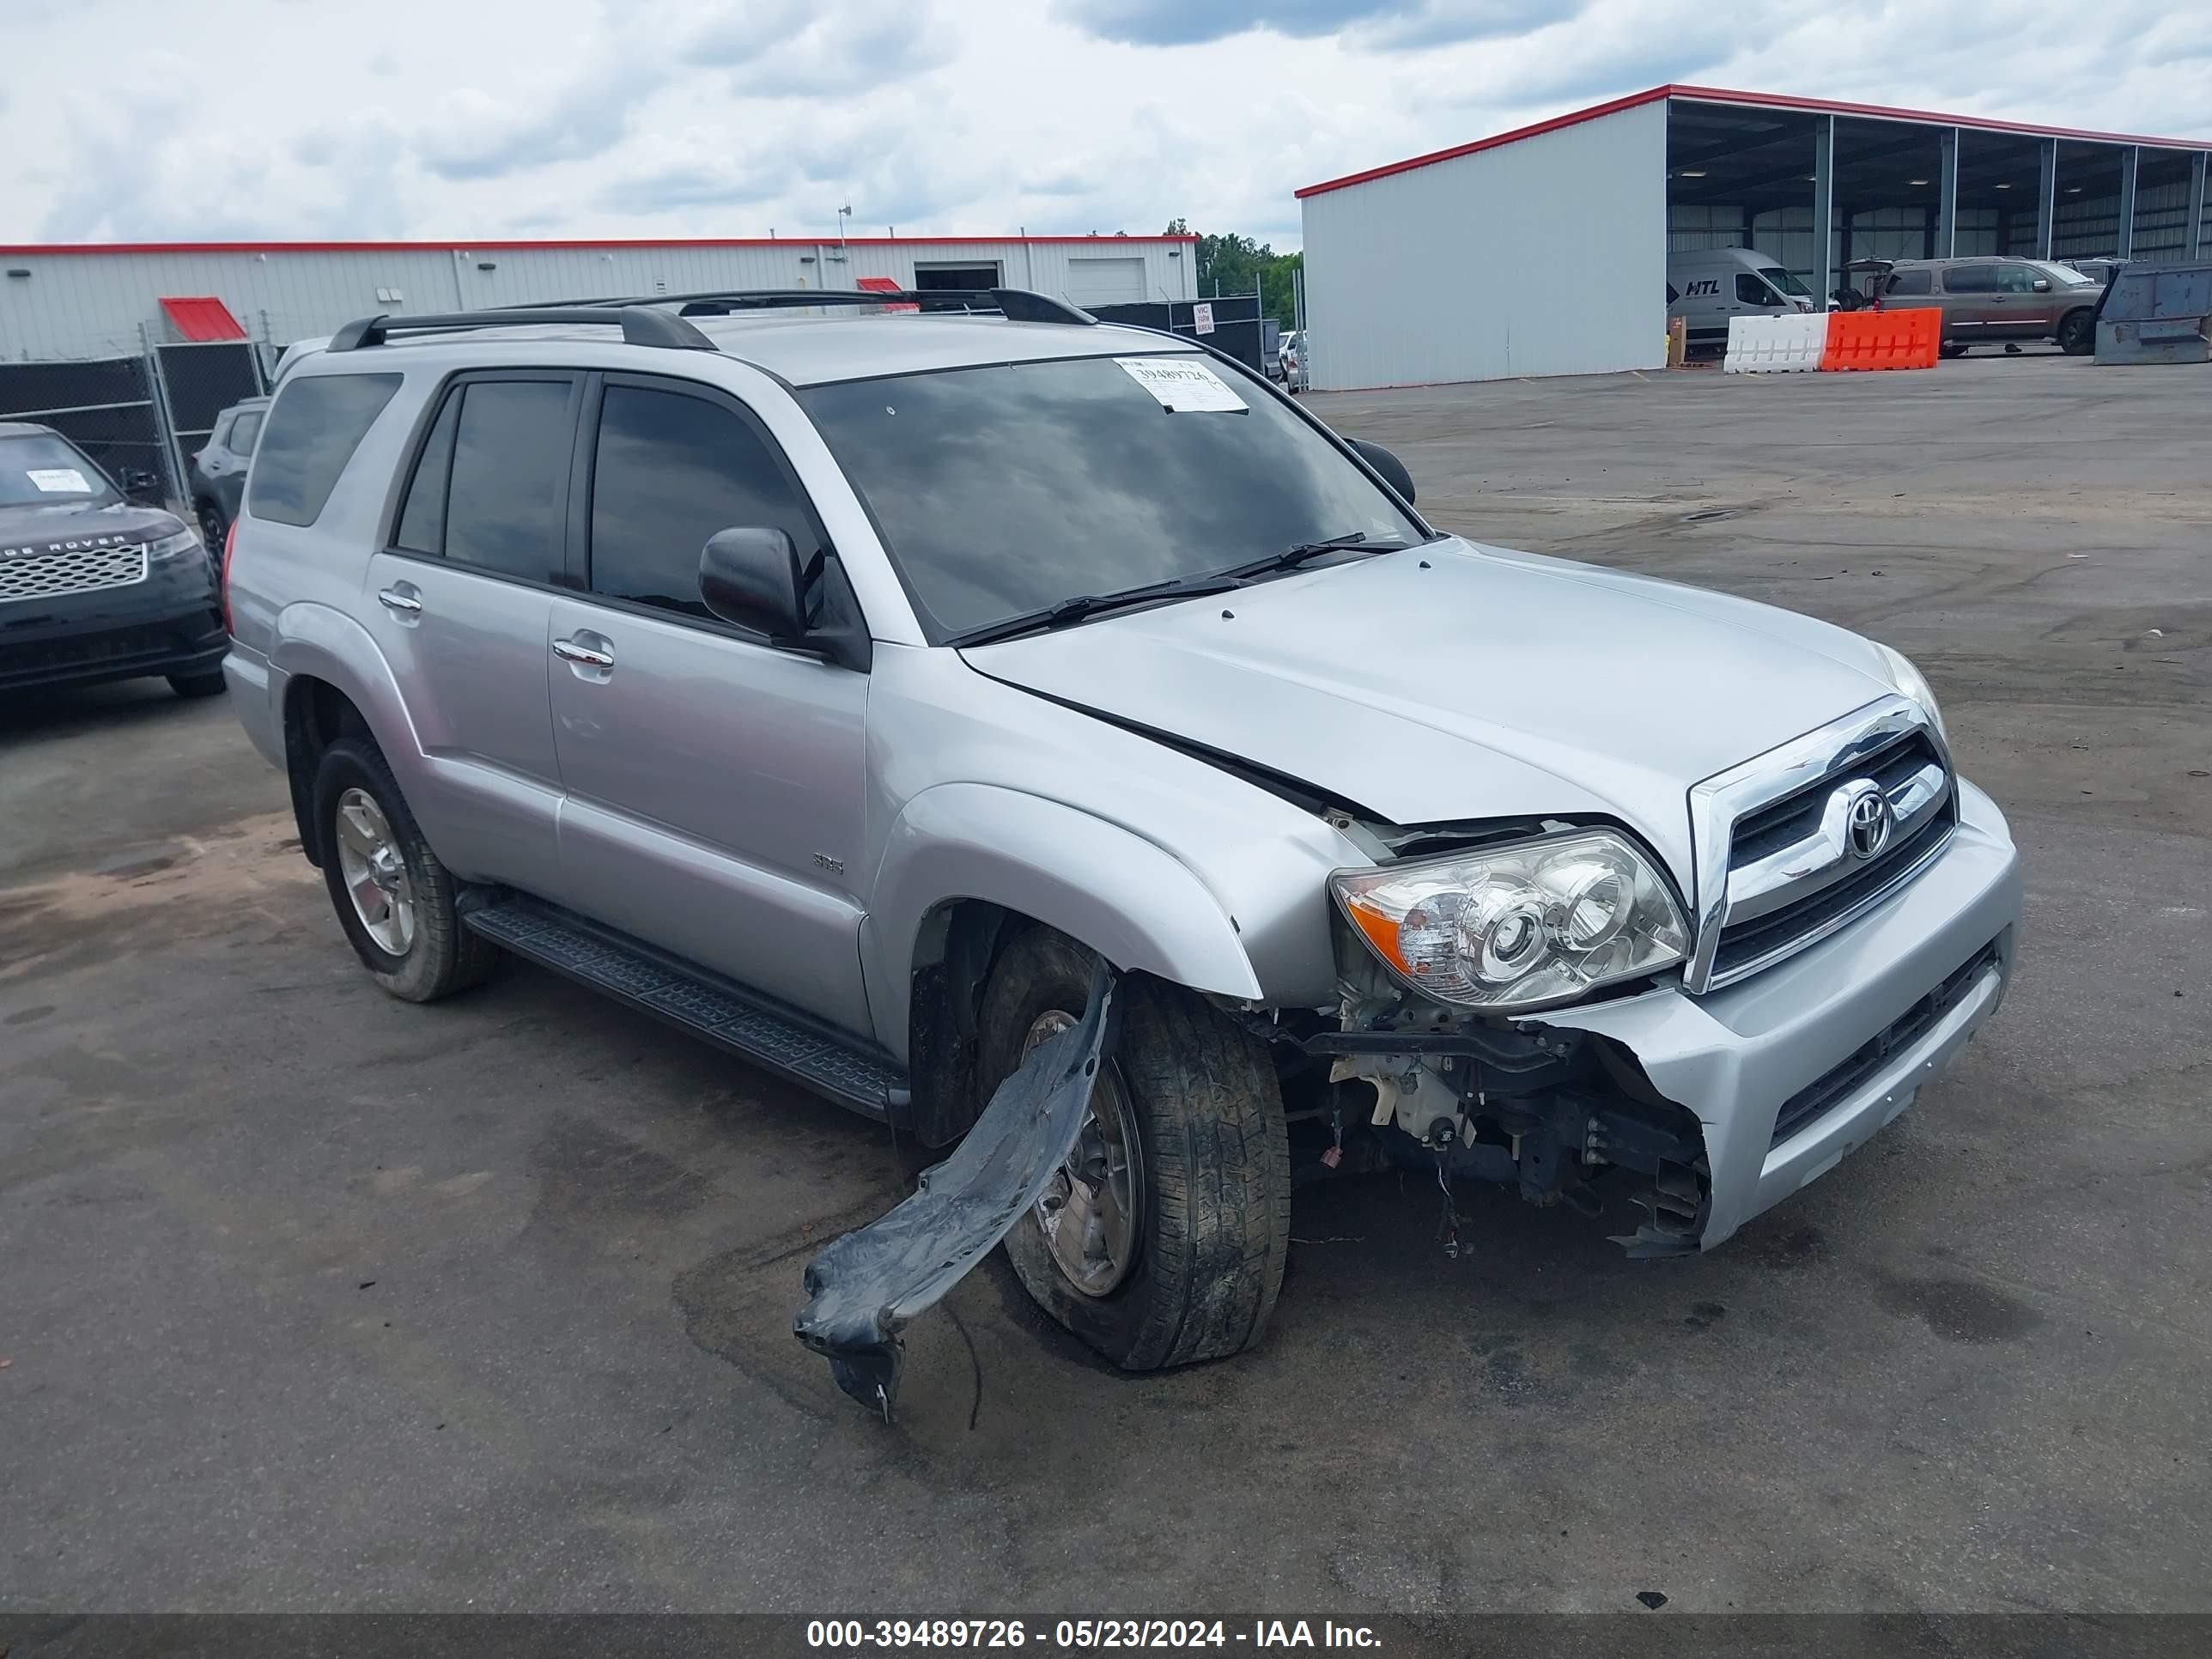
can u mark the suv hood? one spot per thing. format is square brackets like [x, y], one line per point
[36, 529]
[1455, 681]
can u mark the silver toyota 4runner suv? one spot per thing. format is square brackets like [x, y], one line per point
[1046, 738]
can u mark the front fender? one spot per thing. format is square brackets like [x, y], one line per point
[1135, 904]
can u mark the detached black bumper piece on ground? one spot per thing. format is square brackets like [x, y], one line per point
[870, 1283]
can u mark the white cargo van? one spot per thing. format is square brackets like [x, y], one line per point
[1707, 287]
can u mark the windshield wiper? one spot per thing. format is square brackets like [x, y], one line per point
[1083, 606]
[1352, 541]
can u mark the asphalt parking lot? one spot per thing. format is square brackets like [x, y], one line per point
[310, 1299]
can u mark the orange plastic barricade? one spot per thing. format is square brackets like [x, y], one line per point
[1883, 339]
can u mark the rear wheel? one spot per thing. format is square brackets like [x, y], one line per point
[211, 527]
[2077, 332]
[1162, 1239]
[393, 898]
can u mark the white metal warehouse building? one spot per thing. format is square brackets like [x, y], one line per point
[1543, 251]
[94, 301]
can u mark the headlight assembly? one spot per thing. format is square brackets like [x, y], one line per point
[1517, 924]
[173, 547]
[1912, 683]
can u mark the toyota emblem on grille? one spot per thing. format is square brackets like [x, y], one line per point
[1867, 818]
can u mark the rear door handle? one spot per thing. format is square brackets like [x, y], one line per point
[402, 599]
[592, 655]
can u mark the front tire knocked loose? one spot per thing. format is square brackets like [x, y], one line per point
[393, 898]
[1161, 1240]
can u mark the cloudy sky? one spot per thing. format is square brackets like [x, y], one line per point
[129, 119]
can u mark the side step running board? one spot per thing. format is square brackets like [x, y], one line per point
[729, 1015]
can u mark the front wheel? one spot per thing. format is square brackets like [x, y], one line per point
[1161, 1240]
[2077, 333]
[211, 527]
[1954, 347]
[210, 684]
[393, 898]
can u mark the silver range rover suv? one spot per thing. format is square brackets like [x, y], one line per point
[1047, 738]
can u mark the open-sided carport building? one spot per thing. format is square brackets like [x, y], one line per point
[1543, 251]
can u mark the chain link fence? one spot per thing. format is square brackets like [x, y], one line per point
[141, 418]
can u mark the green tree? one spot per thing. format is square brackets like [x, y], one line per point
[1237, 265]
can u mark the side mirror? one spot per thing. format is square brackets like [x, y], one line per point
[2043, 285]
[137, 481]
[749, 576]
[1392, 469]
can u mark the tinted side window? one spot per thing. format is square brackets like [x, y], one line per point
[1752, 290]
[1970, 279]
[507, 500]
[422, 521]
[1673, 294]
[670, 472]
[1909, 282]
[242, 435]
[316, 424]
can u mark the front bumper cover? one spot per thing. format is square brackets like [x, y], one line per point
[1733, 1057]
[168, 624]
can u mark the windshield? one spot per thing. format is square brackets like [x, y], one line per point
[1784, 280]
[2065, 275]
[1004, 490]
[43, 471]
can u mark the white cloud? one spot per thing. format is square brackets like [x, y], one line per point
[570, 117]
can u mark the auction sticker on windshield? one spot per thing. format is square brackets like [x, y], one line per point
[1182, 386]
[60, 480]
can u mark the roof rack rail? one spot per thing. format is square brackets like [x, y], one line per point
[645, 328]
[1016, 304]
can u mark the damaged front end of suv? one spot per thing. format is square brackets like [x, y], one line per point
[1450, 949]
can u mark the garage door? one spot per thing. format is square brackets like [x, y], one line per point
[1106, 281]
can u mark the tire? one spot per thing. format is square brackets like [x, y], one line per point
[1954, 347]
[2077, 332]
[210, 684]
[1212, 1228]
[440, 956]
[212, 528]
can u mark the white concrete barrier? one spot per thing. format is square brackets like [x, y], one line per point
[1776, 345]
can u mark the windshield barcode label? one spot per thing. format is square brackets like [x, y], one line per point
[1182, 386]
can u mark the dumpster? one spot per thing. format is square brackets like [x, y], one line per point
[2156, 314]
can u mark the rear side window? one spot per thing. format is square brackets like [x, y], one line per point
[314, 426]
[242, 435]
[1673, 294]
[422, 521]
[1908, 282]
[670, 470]
[1970, 279]
[506, 499]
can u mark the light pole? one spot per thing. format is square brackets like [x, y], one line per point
[843, 258]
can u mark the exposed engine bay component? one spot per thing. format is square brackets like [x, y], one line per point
[1556, 1114]
[865, 1287]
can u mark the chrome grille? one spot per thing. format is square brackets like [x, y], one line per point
[71, 570]
[1795, 844]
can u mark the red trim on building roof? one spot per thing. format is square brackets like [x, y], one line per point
[202, 317]
[579, 242]
[1575, 120]
[1760, 100]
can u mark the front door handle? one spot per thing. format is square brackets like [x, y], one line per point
[402, 599]
[592, 655]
